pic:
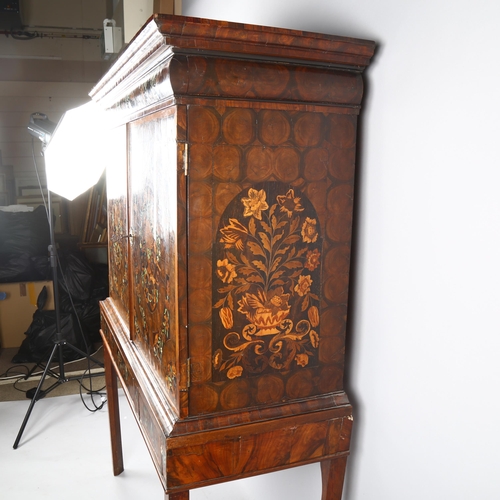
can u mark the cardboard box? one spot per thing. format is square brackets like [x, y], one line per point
[163, 7]
[18, 307]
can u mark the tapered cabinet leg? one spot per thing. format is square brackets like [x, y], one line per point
[332, 476]
[183, 495]
[114, 413]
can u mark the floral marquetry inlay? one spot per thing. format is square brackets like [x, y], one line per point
[267, 267]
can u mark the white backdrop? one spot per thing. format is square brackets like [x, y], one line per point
[424, 370]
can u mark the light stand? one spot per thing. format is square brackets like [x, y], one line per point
[41, 127]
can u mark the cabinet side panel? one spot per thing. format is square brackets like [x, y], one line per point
[116, 179]
[153, 227]
[270, 214]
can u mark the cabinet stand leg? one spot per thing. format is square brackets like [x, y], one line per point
[114, 412]
[183, 495]
[332, 476]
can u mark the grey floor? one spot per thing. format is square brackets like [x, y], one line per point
[65, 454]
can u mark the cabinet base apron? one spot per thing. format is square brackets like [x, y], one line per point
[185, 460]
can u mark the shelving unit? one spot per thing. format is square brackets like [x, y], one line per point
[95, 232]
[7, 185]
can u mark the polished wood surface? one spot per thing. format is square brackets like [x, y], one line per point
[114, 412]
[264, 268]
[178, 496]
[230, 219]
[332, 476]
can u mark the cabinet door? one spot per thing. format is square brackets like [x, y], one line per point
[270, 211]
[118, 223]
[153, 250]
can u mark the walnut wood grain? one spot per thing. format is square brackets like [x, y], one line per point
[230, 247]
[114, 412]
[268, 42]
[332, 477]
[183, 495]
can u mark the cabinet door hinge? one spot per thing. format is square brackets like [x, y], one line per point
[185, 159]
[189, 372]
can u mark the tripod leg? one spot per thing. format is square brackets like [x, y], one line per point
[35, 397]
[114, 412]
[82, 353]
[30, 373]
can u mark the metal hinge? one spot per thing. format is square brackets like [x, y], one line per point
[185, 159]
[189, 372]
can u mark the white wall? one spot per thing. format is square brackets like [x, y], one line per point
[424, 369]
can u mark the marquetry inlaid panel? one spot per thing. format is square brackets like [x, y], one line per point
[118, 238]
[266, 283]
[153, 229]
[239, 78]
[270, 213]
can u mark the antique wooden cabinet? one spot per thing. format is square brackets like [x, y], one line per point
[230, 214]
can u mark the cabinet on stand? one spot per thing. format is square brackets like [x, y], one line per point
[230, 203]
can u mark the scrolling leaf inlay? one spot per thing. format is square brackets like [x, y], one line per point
[267, 260]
